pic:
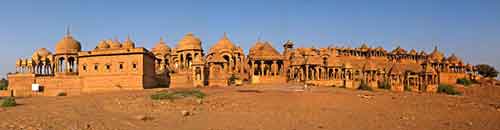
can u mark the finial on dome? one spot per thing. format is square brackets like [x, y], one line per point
[259, 37]
[161, 40]
[117, 39]
[68, 31]
[128, 38]
[225, 34]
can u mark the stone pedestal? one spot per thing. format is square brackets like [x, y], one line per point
[415, 88]
[397, 88]
[373, 85]
[431, 88]
[350, 84]
[217, 83]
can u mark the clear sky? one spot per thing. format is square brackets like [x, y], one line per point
[469, 28]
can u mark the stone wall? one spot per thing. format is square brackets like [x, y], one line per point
[450, 78]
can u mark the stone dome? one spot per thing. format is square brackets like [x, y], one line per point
[189, 42]
[413, 52]
[43, 52]
[263, 49]
[40, 54]
[398, 50]
[68, 45]
[128, 43]
[453, 59]
[224, 43]
[436, 55]
[161, 48]
[115, 44]
[364, 46]
[103, 45]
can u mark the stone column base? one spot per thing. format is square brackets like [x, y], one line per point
[431, 88]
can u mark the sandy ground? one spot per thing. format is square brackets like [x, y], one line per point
[269, 108]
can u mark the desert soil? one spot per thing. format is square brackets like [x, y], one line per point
[260, 108]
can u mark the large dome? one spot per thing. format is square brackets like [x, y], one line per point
[189, 42]
[68, 45]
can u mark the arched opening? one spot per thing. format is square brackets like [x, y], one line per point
[60, 65]
[227, 59]
[72, 64]
[189, 60]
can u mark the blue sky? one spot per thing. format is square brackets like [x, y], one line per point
[469, 28]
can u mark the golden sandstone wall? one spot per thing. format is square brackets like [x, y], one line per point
[51, 86]
[117, 71]
[122, 66]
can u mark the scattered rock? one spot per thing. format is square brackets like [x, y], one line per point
[185, 113]
[469, 123]
[199, 101]
[142, 117]
[366, 96]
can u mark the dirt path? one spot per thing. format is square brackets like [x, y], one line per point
[280, 108]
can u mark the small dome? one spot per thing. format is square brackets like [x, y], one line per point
[453, 59]
[41, 53]
[103, 45]
[436, 55]
[68, 45]
[398, 50]
[413, 52]
[161, 48]
[128, 43]
[364, 46]
[423, 53]
[115, 44]
[189, 42]
[224, 43]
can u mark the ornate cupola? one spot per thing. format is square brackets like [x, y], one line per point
[115, 44]
[128, 43]
[68, 44]
[161, 49]
[66, 55]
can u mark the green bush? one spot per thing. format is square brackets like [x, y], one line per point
[178, 94]
[464, 81]
[364, 86]
[448, 89]
[4, 84]
[9, 102]
[384, 85]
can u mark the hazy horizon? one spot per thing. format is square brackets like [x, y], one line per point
[469, 29]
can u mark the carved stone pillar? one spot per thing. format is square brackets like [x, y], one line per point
[307, 72]
[274, 67]
[262, 73]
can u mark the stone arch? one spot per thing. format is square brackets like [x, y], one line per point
[71, 64]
